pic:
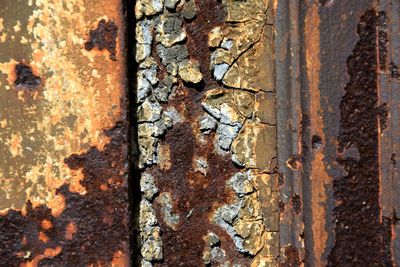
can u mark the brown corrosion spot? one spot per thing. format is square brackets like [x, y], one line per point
[43, 237]
[361, 236]
[296, 203]
[25, 77]
[383, 39]
[79, 230]
[383, 116]
[292, 257]
[104, 37]
[70, 230]
[281, 206]
[393, 159]
[197, 34]
[48, 253]
[46, 224]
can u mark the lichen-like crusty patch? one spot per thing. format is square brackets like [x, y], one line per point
[206, 133]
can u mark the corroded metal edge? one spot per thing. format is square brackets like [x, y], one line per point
[389, 98]
[288, 92]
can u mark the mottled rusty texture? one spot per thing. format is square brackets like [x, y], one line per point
[336, 69]
[357, 193]
[388, 98]
[25, 77]
[287, 43]
[63, 134]
[91, 229]
[207, 136]
[104, 37]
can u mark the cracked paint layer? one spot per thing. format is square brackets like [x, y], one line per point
[207, 133]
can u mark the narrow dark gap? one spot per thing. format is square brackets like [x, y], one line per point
[134, 172]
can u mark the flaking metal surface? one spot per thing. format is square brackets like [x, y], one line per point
[63, 134]
[337, 109]
[207, 133]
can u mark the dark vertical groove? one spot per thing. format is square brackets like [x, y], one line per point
[134, 172]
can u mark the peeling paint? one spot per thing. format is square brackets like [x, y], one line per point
[216, 70]
[63, 186]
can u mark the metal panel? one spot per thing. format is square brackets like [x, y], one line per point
[337, 109]
[63, 134]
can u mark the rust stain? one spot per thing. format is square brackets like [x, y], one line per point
[81, 93]
[292, 257]
[70, 230]
[48, 253]
[195, 195]
[46, 224]
[358, 192]
[86, 223]
[203, 197]
[104, 37]
[43, 237]
[25, 78]
[197, 31]
[294, 162]
[193, 192]
[63, 186]
[318, 174]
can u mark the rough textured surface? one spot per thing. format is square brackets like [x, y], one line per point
[63, 134]
[25, 77]
[337, 107]
[104, 37]
[359, 213]
[210, 76]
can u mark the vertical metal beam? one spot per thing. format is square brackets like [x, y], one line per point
[63, 134]
[343, 130]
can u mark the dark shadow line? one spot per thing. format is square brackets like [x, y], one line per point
[134, 172]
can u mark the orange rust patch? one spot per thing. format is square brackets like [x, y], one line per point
[48, 253]
[46, 224]
[57, 206]
[43, 237]
[70, 230]
[120, 259]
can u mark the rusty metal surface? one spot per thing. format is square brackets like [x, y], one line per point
[207, 137]
[265, 133]
[63, 134]
[338, 131]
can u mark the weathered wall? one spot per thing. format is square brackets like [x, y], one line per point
[220, 174]
[207, 134]
[63, 134]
